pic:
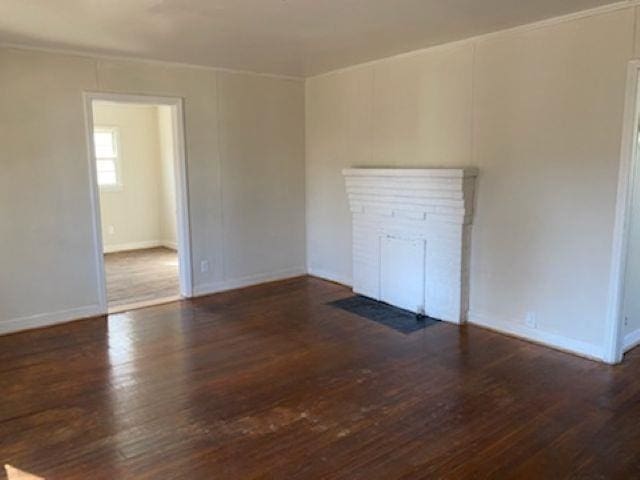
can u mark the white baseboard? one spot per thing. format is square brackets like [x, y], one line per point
[123, 247]
[331, 276]
[631, 340]
[222, 286]
[169, 244]
[535, 335]
[47, 319]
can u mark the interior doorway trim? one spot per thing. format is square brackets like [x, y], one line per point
[613, 348]
[182, 197]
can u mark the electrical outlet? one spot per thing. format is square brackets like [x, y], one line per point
[204, 266]
[530, 320]
[626, 321]
[111, 229]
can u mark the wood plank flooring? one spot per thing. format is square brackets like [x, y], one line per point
[270, 382]
[139, 276]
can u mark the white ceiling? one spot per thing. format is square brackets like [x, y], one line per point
[289, 37]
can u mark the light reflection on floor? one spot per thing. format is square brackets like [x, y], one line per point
[136, 384]
[17, 474]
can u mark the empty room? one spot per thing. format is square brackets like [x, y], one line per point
[135, 175]
[320, 240]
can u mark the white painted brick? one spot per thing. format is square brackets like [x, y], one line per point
[435, 205]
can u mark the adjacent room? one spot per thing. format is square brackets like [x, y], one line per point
[301, 239]
[134, 152]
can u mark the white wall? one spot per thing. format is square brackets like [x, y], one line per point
[167, 210]
[261, 144]
[136, 213]
[539, 111]
[48, 264]
[49, 270]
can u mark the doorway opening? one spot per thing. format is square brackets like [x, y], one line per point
[623, 319]
[138, 179]
[630, 312]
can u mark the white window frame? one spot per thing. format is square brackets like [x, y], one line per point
[115, 132]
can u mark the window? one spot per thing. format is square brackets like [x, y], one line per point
[105, 140]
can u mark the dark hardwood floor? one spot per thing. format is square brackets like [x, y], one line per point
[270, 382]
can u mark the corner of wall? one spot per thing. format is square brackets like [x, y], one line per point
[331, 276]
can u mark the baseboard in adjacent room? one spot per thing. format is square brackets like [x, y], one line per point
[48, 319]
[553, 340]
[124, 247]
[222, 286]
[631, 340]
[169, 244]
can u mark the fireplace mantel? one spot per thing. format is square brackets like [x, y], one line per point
[411, 237]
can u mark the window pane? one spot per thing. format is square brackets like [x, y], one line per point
[105, 144]
[105, 140]
[106, 165]
[107, 178]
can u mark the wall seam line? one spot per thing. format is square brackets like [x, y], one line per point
[634, 35]
[472, 122]
[96, 70]
[220, 181]
[371, 114]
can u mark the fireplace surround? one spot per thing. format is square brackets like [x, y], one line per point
[412, 236]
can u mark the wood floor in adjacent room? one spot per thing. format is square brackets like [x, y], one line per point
[138, 276]
[271, 382]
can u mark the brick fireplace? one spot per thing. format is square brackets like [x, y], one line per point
[411, 237]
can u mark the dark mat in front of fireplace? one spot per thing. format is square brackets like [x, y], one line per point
[402, 321]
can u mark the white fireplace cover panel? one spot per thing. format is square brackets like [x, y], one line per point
[402, 273]
[411, 237]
